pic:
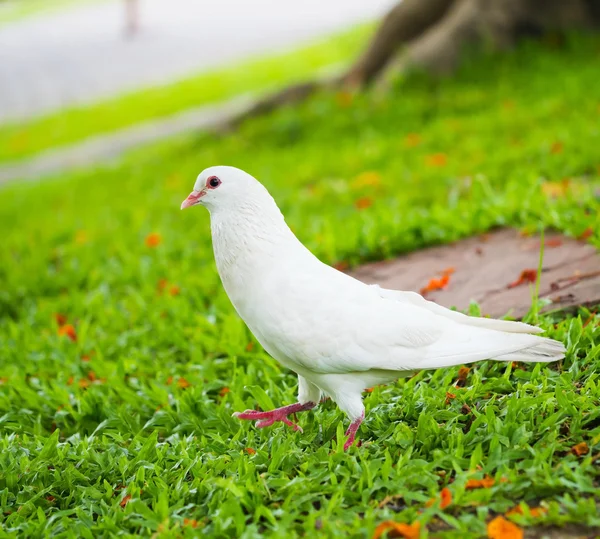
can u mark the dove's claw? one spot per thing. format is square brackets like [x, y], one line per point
[351, 432]
[266, 419]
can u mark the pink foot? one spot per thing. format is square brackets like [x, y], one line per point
[266, 419]
[351, 432]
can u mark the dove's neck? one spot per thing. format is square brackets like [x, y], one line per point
[250, 242]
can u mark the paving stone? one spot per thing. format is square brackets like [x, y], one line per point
[485, 266]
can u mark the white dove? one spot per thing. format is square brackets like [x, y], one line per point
[339, 335]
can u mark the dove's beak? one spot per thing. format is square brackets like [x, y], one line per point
[192, 199]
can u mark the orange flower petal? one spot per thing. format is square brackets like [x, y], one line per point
[580, 449]
[445, 499]
[436, 160]
[553, 242]
[486, 482]
[398, 529]
[174, 290]
[68, 331]
[586, 233]
[224, 391]
[463, 372]
[363, 203]
[161, 285]
[125, 500]
[61, 319]
[183, 383]
[500, 528]
[153, 239]
[250, 451]
[192, 523]
[527, 276]
[342, 265]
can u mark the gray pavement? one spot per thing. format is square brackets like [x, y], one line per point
[106, 148]
[82, 54]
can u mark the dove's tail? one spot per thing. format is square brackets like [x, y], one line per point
[544, 352]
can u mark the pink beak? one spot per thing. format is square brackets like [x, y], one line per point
[192, 199]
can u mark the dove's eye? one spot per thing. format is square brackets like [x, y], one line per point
[213, 182]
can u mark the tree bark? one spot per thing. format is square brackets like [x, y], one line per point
[404, 22]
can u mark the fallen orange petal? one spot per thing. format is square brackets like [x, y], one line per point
[183, 383]
[161, 285]
[363, 203]
[463, 372]
[445, 499]
[174, 290]
[342, 265]
[449, 397]
[556, 189]
[527, 276]
[153, 239]
[486, 482]
[192, 523]
[68, 331]
[533, 511]
[224, 391]
[586, 233]
[436, 284]
[437, 160]
[61, 319]
[553, 242]
[500, 528]
[125, 500]
[580, 449]
[250, 451]
[398, 529]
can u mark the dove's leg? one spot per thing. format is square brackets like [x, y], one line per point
[349, 400]
[351, 432]
[308, 397]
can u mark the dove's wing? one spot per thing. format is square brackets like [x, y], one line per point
[490, 323]
[330, 323]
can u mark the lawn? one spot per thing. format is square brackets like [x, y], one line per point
[22, 139]
[122, 360]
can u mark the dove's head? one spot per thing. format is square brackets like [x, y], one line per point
[223, 188]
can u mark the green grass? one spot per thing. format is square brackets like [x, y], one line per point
[129, 429]
[25, 138]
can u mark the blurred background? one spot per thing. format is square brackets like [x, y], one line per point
[57, 54]
[382, 128]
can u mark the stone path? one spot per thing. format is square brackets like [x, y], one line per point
[82, 55]
[486, 269]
